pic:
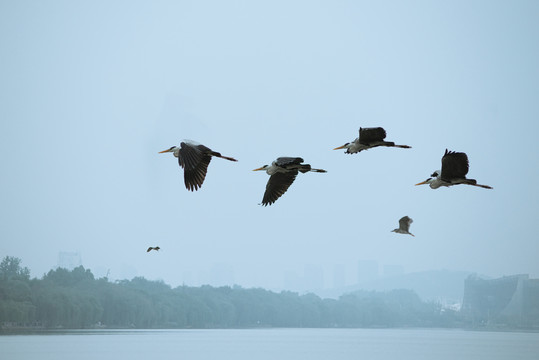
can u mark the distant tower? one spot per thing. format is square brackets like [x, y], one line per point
[69, 260]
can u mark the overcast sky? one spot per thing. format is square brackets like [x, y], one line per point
[90, 91]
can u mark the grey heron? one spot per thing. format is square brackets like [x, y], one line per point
[454, 169]
[404, 226]
[283, 172]
[156, 248]
[194, 158]
[369, 138]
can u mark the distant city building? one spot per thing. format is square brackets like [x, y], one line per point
[367, 270]
[69, 260]
[510, 300]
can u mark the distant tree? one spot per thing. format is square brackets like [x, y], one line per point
[10, 268]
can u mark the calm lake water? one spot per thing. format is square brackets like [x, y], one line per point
[282, 344]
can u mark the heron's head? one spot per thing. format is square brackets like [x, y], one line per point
[345, 146]
[435, 175]
[265, 167]
[173, 149]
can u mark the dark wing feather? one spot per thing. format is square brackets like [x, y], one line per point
[404, 223]
[454, 165]
[194, 159]
[284, 161]
[371, 135]
[277, 185]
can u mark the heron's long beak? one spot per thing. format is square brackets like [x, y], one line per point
[340, 147]
[164, 151]
[260, 168]
[422, 183]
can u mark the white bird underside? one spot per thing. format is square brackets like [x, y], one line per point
[283, 172]
[404, 226]
[194, 159]
[455, 166]
[369, 138]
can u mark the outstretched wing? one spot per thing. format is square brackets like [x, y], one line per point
[404, 223]
[370, 135]
[194, 159]
[285, 161]
[454, 165]
[277, 185]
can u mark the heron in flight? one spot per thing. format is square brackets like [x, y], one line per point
[454, 169]
[369, 138]
[194, 158]
[404, 226]
[283, 172]
[153, 248]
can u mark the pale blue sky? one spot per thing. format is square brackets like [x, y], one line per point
[91, 91]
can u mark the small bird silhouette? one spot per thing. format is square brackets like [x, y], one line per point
[404, 226]
[153, 248]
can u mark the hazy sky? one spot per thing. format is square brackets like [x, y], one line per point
[90, 91]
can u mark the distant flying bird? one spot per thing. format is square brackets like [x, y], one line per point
[194, 159]
[404, 226]
[369, 138]
[153, 248]
[454, 169]
[283, 172]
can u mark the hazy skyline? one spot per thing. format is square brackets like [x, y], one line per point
[91, 91]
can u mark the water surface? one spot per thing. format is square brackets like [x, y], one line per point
[283, 344]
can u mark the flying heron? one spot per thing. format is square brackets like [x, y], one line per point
[153, 248]
[283, 172]
[454, 169]
[369, 138]
[194, 158]
[404, 226]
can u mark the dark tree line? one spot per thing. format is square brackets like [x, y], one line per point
[75, 299]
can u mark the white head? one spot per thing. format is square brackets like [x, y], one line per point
[174, 149]
[345, 146]
[434, 180]
[265, 167]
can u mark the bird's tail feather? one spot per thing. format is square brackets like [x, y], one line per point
[306, 168]
[474, 183]
[213, 153]
[483, 186]
[228, 158]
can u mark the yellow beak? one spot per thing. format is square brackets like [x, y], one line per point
[421, 183]
[260, 168]
[164, 151]
[340, 147]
